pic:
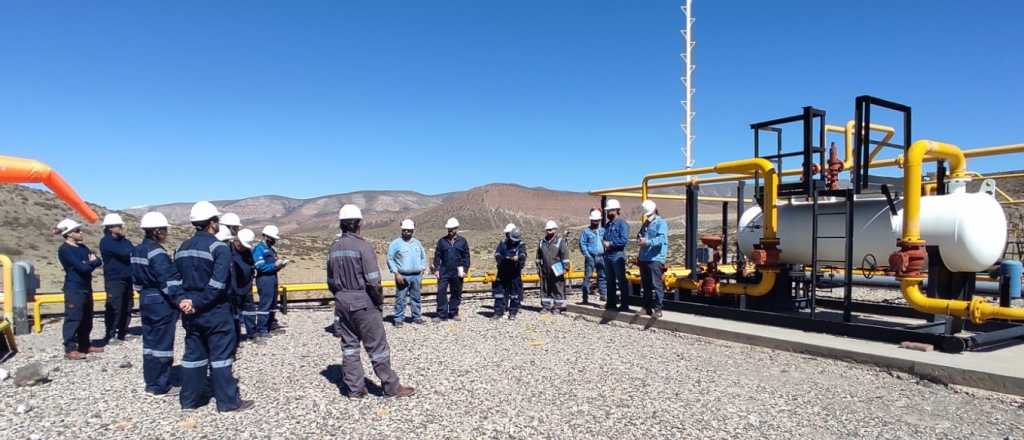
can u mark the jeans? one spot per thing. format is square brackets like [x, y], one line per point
[618, 285]
[594, 266]
[410, 290]
[652, 284]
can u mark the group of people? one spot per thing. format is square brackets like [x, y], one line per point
[207, 284]
[603, 248]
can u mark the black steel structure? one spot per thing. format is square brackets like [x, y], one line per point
[794, 302]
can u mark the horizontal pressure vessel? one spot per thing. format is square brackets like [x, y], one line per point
[968, 228]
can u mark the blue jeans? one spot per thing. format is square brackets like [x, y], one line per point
[618, 285]
[652, 284]
[410, 290]
[595, 267]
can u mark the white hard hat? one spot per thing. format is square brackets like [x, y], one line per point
[67, 225]
[595, 215]
[408, 224]
[246, 237]
[510, 227]
[112, 219]
[153, 219]
[612, 204]
[272, 232]
[350, 212]
[649, 206]
[203, 211]
[231, 219]
[452, 223]
[550, 225]
[223, 233]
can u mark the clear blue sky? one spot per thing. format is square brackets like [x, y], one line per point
[150, 102]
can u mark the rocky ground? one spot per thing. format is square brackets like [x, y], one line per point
[537, 377]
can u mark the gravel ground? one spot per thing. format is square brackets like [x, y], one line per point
[540, 376]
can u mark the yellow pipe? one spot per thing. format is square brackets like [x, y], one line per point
[672, 197]
[771, 193]
[760, 289]
[977, 309]
[912, 180]
[8, 277]
[884, 163]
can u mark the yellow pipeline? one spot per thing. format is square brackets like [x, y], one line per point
[771, 192]
[912, 180]
[8, 277]
[58, 298]
[760, 289]
[977, 309]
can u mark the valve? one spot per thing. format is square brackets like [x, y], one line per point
[835, 166]
[709, 286]
[765, 254]
[910, 259]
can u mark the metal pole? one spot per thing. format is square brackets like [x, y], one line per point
[687, 79]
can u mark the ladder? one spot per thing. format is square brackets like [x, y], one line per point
[846, 238]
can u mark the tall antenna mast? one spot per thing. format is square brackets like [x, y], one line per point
[687, 79]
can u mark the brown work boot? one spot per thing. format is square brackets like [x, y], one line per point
[95, 350]
[74, 356]
[357, 396]
[403, 391]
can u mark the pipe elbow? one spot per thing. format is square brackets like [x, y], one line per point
[746, 166]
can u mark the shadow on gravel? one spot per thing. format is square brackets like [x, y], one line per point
[334, 375]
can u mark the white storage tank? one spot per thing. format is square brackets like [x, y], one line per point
[968, 228]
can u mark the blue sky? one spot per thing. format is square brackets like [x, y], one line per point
[150, 102]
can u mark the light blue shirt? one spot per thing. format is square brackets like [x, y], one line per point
[406, 257]
[656, 248]
[591, 242]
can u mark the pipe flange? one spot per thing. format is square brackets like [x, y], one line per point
[976, 310]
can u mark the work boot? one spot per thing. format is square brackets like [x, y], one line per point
[512, 317]
[403, 391]
[398, 323]
[244, 405]
[496, 316]
[657, 313]
[648, 311]
[437, 319]
[95, 350]
[357, 396]
[74, 356]
[419, 321]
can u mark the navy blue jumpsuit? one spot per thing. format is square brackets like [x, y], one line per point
[241, 282]
[204, 264]
[508, 286]
[159, 285]
[449, 255]
[77, 295]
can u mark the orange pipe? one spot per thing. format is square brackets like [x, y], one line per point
[19, 170]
